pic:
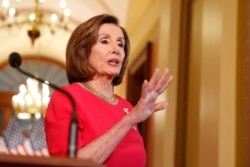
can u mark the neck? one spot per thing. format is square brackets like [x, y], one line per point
[110, 99]
[103, 86]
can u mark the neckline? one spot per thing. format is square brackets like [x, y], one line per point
[111, 100]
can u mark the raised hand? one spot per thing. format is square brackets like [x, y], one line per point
[150, 91]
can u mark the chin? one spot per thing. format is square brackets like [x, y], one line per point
[114, 74]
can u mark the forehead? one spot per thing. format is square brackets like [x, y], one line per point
[110, 29]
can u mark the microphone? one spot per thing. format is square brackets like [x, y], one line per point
[15, 61]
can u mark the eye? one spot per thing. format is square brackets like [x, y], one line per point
[104, 41]
[121, 44]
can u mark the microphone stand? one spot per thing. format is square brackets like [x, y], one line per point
[73, 124]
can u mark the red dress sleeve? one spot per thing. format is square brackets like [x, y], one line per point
[57, 121]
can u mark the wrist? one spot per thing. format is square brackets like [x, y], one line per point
[131, 120]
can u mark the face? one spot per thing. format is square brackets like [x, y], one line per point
[107, 54]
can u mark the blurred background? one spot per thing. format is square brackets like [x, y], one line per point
[205, 44]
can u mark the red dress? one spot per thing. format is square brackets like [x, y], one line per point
[95, 117]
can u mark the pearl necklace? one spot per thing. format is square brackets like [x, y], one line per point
[98, 94]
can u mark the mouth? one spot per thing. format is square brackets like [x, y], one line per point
[113, 62]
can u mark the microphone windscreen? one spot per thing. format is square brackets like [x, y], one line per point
[15, 59]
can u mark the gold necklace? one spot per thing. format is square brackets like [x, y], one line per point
[98, 94]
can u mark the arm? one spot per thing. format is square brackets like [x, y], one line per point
[101, 148]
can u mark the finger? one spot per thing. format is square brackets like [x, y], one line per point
[163, 79]
[160, 106]
[166, 84]
[144, 89]
[153, 80]
[147, 94]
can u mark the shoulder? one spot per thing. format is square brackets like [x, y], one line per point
[71, 88]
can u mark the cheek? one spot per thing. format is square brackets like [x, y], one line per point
[122, 64]
[95, 52]
[97, 55]
[122, 53]
[123, 57]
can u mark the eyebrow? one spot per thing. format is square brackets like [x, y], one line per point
[103, 34]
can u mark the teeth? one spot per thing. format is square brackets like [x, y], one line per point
[114, 61]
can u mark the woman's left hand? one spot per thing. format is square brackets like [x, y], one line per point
[150, 91]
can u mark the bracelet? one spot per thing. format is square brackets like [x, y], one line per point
[131, 120]
[129, 117]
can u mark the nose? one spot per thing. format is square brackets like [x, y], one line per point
[115, 49]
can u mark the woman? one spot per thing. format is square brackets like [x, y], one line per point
[96, 59]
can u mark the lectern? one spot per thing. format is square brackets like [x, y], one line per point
[32, 161]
